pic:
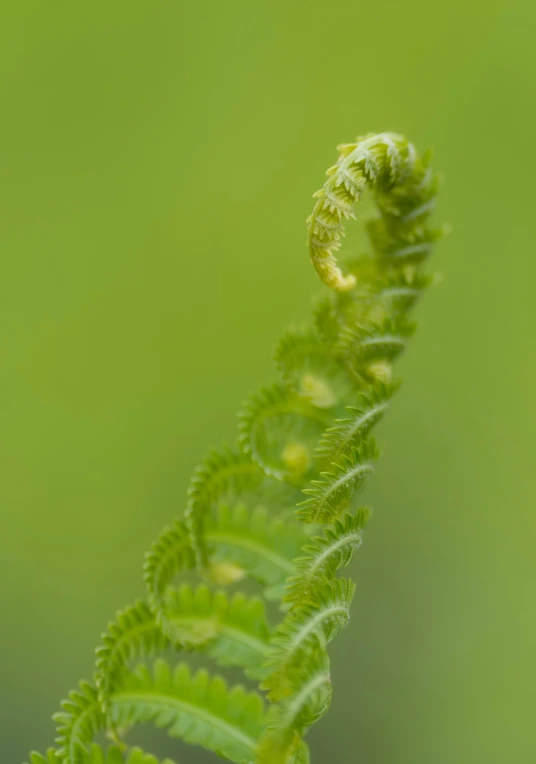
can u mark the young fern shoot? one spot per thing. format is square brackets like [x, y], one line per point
[279, 507]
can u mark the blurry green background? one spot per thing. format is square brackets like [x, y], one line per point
[158, 161]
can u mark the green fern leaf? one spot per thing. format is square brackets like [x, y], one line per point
[200, 709]
[80, 719]
[379, 295]
[234, 632]
[397, 246]
[400, 290]
[281, 741]
[113, 755]
[135, 633]
[384, 161]
[97, 755]
[302, 755]
[375, 347]
[330, 496]
[171, 553]
[352, 432]
[263, 546]
[327, 319]
[280, 430]
[312, 370]
[325, 555]
[224, 476]
[321, 618]
[50, 758]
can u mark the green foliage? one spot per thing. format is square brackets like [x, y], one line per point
[233, 630]
[261, 546]
[97, 755]
[318, 620]
[312, 369]
[198, 708]
[224, 476]
[368, 349]
[325, 555]
[279, 509]
[135, 633]
[171, 553]
[279, 431]
[332, 495]
[80, 719]
[115, 756]
[50, 758]
[351, 432]
[289, 719]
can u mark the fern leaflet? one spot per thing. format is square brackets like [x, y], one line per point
[198, 708]
[325, 555]
[330, 496]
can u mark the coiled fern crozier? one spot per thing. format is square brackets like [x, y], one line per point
[279, 507]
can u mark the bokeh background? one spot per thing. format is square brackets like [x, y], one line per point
[157, 161]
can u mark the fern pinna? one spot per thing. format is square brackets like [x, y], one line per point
[279, 507]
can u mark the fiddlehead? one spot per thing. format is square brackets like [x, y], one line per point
[279, 509]
[404, 189]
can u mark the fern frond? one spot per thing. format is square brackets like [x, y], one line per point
[198, 708]
[133, 756]
[335, 311]
[330, 496]
[50, 758]
[366, 345]
[114, 756]
[327, 319]
[396, 247]
[169, 554]
[320, 618]
[80, 719]
[246, 515]
[311, 369]
[325, 555]
[263, 546]
[389, 164]
[135, 633]
[381, 296]
[400, 290]
[279, 430]
[97, 755]
[352, 431]
[234, 632]
[281, 742]
[223, 476]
